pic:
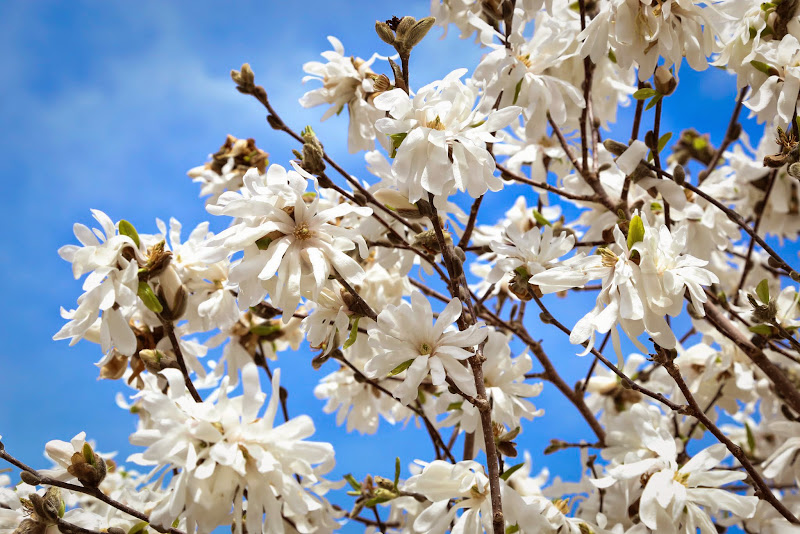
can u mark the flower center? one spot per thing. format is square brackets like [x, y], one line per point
[435, 124]
[303, 232]
[525, 60]
[681, 478]
[609, 259]
[425, 349]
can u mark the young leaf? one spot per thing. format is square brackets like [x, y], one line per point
[540, 218]
[402, 367]
[353, 482]
[510, 471]
[762, 290]
[149, 298]
[126, 228]
[635, 231]
[751, 440]
[664, 140]
[644, 94]
[761, 329]
[396, 471]
[353, 334]
[654, 101]
[264, 330]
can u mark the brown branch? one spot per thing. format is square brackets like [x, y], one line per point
[762, 490]
[169, 328]
[92, 492]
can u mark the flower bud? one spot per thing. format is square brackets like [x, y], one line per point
[30, 478]
[171, 293]
[50, 508]
[244, 78]
[665, 81]
[679, 174]
[156, 361]
[615, 147]
[384, 32]
[88, 467]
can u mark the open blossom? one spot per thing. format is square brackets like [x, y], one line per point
[346, 81]
[440, 482]
[506, 390]
[441, 138]
[289, 242]
[641, 32]
[113, 261]
[404, 335]
[223, 447]
[644, 279]
[533, 251]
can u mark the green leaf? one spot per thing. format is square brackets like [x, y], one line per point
[264, 330]
[62, 508]
[662, 142]
[654, 101]
[402, 367]
[141, 526]
[353, 334]
[126, 228]
[612, 56]
[769, 70]
[510, 529]
[635, 231]
[88, 454]
[396, 471]
[377, 500]
[517, 89]
[761, 329]
[353, 482]
[149, 298]
[511, 470]
[762, 290]
[176, 522]
[541, 218]
[263, 243]
[751, 439]
[454, 406]
[644, 94]
[397, 140]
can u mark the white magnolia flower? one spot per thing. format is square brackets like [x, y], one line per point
[642, 32]
[672, 498]
[440, 482]
[113, 261]
[290, 245]
[533, 251]
[224, 447]
[346, 81]
[442, 138]
[404, 335]
[504, 378]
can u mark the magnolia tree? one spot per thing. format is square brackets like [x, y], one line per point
[413, 305]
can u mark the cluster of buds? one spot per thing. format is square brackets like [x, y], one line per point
[44, 511]
[405, 33]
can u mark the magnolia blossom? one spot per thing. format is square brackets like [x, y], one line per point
[531, 252]
[440, 138]
[284, 235]
[440, 482]
[224, 446]
[346, 81]
[642, 32]
[112, 260]
[405, 333]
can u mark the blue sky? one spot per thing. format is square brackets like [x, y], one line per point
[107, 105]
